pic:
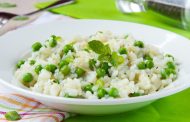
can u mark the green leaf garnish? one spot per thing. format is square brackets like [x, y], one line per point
[20, 18]
[12, 116]
[7, 5]
[96, 46]
[99, 47]
[104, 57]
[116, 59]
[107, 49]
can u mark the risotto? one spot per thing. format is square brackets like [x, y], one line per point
[101, 66]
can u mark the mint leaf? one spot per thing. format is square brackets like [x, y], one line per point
[104, 57]
[96, 46]
[7, 5]
[99, 47]
[116, 59]
[107, 49]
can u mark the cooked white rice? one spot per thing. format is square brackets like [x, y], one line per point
[127, 72]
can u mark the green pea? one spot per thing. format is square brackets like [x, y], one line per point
[36, 46]
[100, 72]
[141, 65]
[32, 62]
[56, 38]
[149, 64]
[20, 63]
[88, 87]
[169, 71]
[122, 50]
[172, 71]
[139, 44]
[105, 66]
[163, 74]
[80, 72]
[92, 64]
[113, 92]
[52, 43]
[68, 47]
[116, 59]
[63, 63]
[66, 61]
[120, 60]
[65, 70]
[69, 59]
[27, 77]
[12, 116]
[147, 57]
[170, 65]
[50, 67]
[101, 93]
[100, 83]
[38, 68]
[135, 94]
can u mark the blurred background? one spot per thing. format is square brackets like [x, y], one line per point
[173, 15]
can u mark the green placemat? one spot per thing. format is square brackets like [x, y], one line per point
[175, 108]
[106, 9]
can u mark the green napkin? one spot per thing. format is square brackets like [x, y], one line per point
[174, 108]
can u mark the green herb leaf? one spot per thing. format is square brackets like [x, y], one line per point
[104, 57]
[7, 5]
[20, 18]
[12, 116]
[107, 49]
[116, 59]
[97, 46]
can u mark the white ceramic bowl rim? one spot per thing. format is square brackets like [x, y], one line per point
[77, 101]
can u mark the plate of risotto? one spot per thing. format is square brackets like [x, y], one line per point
[94, 66]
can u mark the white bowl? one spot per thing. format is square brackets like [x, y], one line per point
[13, 46]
